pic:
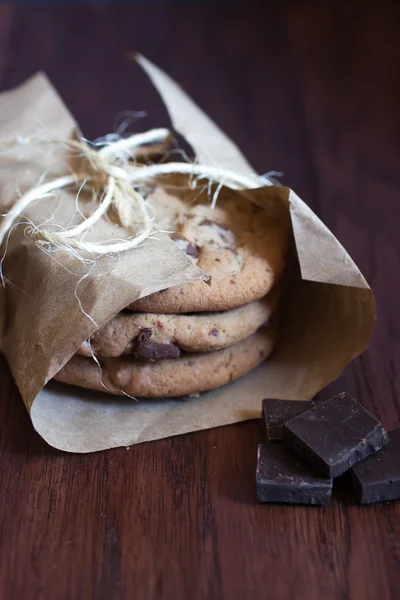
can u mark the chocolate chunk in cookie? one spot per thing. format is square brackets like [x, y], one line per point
[184, 245]
[143, 349]
[156, 351]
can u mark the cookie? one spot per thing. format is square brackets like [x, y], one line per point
[188, 374]
[150, 336]
[240, 245]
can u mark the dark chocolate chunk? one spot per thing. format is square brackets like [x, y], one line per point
[143, 337]
[275, 413]
[184, 245]
[191, 250]
[335, 434]
[143, 349]
[377, 478]
[282, 476]
[156, 351]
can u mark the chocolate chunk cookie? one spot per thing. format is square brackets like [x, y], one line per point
[241, 245]
[148, 336]
[188, 374]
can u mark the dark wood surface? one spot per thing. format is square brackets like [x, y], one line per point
[311, 91]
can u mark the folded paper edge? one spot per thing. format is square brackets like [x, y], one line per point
[305, 220]
[39, 76]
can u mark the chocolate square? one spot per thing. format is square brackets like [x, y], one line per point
[282, 476]
[377, 478]
[275, 413]
[335, 434]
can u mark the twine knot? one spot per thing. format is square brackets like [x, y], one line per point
[114, 176]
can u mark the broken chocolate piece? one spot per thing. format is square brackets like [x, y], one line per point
[156, 351]
[377, 478]
[335, 434]
[184, 245]
[143, 349]
[282, 476]
[275, 413]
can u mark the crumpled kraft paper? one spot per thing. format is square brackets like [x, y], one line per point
[53, 301]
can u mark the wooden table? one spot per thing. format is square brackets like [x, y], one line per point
[314, 92]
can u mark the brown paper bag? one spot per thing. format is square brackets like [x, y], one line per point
[52, 302]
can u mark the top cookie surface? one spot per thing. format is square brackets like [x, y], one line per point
[241, 245]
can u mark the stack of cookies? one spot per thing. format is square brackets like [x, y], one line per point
[197, 336]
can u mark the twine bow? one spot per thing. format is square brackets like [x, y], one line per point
[115, 186]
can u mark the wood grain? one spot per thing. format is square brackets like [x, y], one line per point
[313, 91]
